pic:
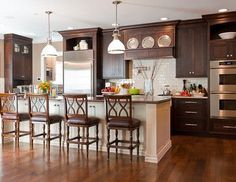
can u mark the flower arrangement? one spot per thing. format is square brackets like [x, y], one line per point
[44, 86]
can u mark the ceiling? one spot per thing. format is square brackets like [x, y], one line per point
[28, 18]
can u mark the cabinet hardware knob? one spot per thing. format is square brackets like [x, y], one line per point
[227, 55]
[190, 72]
[231, 55]
[190, 124]
[193, 72]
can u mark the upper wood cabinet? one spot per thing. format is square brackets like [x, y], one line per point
[114, 65]
[221, 49]
[17, 61]
[154, 40]
[92, 36]
[191, 49]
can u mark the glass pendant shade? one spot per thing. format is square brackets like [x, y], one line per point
[116, 46]
[49, 50]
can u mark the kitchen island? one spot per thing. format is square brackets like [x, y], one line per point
[154, 113]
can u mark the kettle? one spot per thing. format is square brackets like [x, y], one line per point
[166, 90]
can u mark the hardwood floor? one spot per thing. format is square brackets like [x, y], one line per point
[190, 159]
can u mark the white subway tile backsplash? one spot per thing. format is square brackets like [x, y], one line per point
[165, 75]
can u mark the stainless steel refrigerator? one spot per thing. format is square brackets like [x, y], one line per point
[78, 72]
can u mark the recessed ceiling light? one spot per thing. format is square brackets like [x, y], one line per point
[164, 18]
[223, 10]
[70, 28]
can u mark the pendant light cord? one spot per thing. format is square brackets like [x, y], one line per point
[49, 33]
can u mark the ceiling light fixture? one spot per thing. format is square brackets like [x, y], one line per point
[49, 50]
[164, 19]
[116, 46]
[223, 10]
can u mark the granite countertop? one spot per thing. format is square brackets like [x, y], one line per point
[187, 97]
[137, 99]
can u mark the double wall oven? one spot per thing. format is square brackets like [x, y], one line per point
[223, 88]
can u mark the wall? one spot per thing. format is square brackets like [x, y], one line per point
[1, 65]
[37, 48]
[166, 70]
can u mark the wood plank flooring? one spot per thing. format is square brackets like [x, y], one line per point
[191, 159]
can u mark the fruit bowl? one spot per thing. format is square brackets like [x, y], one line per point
[227, 35]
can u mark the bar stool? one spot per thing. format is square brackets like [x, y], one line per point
[119, 117]
[76, 115]
[9, 112]
[39, 114]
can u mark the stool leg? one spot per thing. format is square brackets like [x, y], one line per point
[138, 142]
[48, 136]
[67, 137]
[17, 128]
[87, 143]
[108, 143]
[2, 131]
[31, 134]
[78, 137]
[44, 135]
[97, 137]
[116, 142]
[131, 145]
[60, 134]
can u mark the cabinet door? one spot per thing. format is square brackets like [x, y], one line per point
[28, 62]
[218, 50]
[200, 50]
[114, 65]
[18, 66]
[184, 61]
[191, 50]
[232, 50]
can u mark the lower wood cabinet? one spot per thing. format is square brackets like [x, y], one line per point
[188, 115]
[226, 126]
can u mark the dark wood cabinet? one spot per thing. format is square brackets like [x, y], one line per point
[222, 49]
[191, 57]
[17, 61]
[114, 65]
[154, 40]
[225, 126]
[188, 115]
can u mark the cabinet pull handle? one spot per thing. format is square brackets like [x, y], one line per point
[190, 124]
[229, 127]
[191, 112]
[190, 102]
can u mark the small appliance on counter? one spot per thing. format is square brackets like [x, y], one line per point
[23, 89]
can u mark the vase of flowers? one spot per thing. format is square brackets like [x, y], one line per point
[44, 87]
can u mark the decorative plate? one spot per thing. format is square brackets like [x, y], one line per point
[132, 43]
[148, 42]
[164, 41]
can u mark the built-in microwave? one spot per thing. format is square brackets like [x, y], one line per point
[223, 76]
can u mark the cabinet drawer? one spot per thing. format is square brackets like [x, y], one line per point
[181, 124]
[189, 108]
[225, 126]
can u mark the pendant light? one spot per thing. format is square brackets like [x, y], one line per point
[49, 50]
[116, 46]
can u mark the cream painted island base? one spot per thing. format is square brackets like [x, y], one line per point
[154, 113]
